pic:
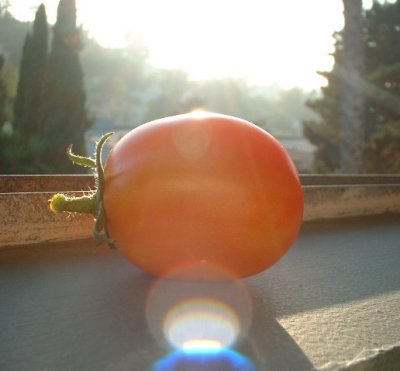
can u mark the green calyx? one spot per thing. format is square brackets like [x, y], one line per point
[88, 204]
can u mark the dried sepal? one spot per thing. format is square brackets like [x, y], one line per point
[80, 160]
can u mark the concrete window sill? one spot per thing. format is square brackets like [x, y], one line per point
[333, 302]
[25, 217]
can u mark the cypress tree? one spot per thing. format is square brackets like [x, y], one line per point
[3, 96]
[20, 99]
[66, 119]
[22, 150]
[40, 42]
[29, 103]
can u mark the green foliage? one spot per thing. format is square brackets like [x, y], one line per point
[280, 115]
[22, 148]
[385, 141]
[234, 97]
[173, 86]
[29, 103]
[9, 75]
[8, 83]
[4, 117]
[3, 95]
[381, 84]
[65, 117]
[124, 91]
[49, 108]
[12, 35]
[20, 154]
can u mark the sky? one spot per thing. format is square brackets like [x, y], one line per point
[266, 42]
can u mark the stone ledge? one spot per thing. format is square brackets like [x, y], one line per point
[26, 218]
[332, 303]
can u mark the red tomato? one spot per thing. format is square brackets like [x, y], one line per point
[202, 188]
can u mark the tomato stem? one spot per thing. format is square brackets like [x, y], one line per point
[83, 204]
[88, 204]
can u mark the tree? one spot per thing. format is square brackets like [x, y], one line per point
[352, 94]
[16, 151]
[379, 79]
[12, 34]
[173, 86]
[3, 95]
[66, 118]
[29, 103]
[22, 150]
[8, 81]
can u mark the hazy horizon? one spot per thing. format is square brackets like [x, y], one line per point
[265, 42]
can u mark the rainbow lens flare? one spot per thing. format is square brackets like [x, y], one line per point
[200, 320]
[217, 360]
[201, 323]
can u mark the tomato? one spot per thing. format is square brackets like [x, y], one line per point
[202, 188]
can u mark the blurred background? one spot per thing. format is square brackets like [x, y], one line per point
[321, 76]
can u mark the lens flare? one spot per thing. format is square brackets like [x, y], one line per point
[193, 140]
[221, 359]
[203, 314]
[202, 322]
[200, 319]
[200, 113]
[201, 344]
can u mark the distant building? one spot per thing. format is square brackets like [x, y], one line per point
[301, 151]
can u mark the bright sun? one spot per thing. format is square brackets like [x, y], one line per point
[263, 41]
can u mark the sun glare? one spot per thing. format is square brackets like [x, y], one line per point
[263, 41]
[198, 344]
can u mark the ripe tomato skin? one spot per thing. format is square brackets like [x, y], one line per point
[202, 188]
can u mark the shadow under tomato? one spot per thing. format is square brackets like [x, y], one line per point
[261, 344]
[269, 344]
